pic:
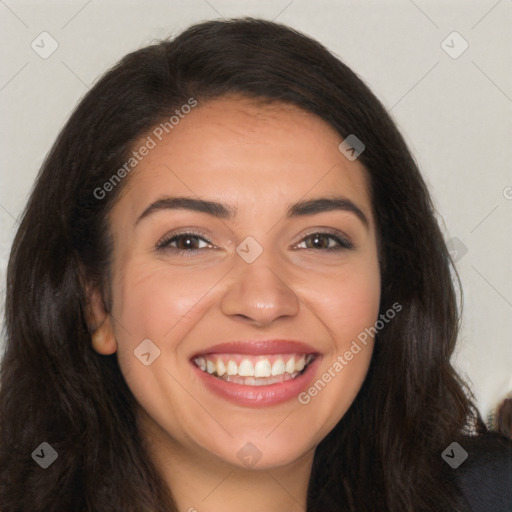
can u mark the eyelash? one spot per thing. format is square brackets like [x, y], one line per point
[164, 243]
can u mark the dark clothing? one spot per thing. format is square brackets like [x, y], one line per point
[485, 477]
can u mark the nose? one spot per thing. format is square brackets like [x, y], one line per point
[259, 293]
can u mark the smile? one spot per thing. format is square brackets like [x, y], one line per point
[256, 373]
[256, 370]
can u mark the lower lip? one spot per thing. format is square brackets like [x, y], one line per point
[259, 396]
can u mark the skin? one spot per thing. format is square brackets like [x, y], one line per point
[258, 159]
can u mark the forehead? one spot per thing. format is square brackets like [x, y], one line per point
[246, 151]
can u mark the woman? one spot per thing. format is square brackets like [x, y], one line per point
[229, 292]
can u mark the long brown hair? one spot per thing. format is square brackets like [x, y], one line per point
[384, 454]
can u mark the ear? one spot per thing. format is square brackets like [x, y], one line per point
[100, 323]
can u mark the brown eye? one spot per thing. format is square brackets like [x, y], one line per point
[184, 242]
[318, 242]
[326, 241]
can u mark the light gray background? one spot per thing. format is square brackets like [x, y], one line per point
[455, 113]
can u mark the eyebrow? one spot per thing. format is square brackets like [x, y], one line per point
[223, 211]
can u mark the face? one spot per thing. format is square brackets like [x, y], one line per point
[236, 321]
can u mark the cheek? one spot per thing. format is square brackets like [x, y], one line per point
[153, 299]
[348, 302]
[159, 303]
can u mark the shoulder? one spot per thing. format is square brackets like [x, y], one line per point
[485, 477]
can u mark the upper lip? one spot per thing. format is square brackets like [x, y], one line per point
[259, 347]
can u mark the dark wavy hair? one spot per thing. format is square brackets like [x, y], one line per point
[384, 454]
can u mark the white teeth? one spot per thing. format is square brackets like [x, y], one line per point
[232, 368]
[255, 369]
[290, 365]
[210, 366]
[221, 368]
[278, 368]
[246, 369]
[262, 368]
